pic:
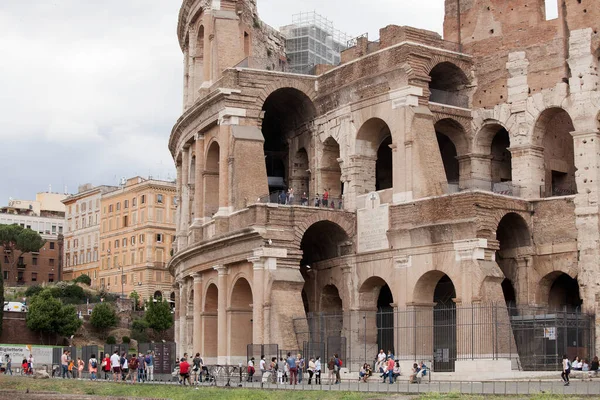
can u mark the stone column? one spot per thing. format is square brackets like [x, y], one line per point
[178, 210]
[176, 318]
[480, 172]
[222, 356]
[528, 170]
[258, 294]
[197, 335]
[185, 193]
[199, 184]
[182, 319]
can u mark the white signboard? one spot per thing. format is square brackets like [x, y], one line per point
[41, 355]
[550, 333]
[373, 224]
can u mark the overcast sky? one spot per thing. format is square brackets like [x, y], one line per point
[89, 90]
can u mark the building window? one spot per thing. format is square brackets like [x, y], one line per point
[134, 202]
[142, 238]
[21, 261]
[101, 282]
[50, 277]
[118, 206]
[133, 258]
[125, 221]
[124, 242]
[159, 238]
[108, 263]
[20, 277]
[133, 240]
[60, 229]
[51, 245]
[158, 276]
[134, 218]
[5, 273]
[159, 198]
[51, 262]
[95, 255]
[126, 204]
[143, 200]
[110, 208]
[34, 277]
[159, 216]
[116, 243]
[124, 279]
[6, 260]
[75, 259]
[34, 261]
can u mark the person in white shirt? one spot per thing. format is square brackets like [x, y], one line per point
[261, 365]
[565, 370]
[115, 365]
[318, 371]
[251, 370]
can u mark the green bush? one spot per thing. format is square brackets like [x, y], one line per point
[33, 290]
[126, 339]
[83, 278]
[140, 336]
[111, 340]
[139, 325]
[74, 291]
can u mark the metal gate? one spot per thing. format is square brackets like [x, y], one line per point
[314, 349]
[258, 350]
[86, 354]
[444, 338]
[337, 345]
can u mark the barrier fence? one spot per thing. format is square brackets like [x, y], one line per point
[532, 339]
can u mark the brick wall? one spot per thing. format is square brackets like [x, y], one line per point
[15, 331]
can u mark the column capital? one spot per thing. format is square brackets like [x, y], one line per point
[346, 269]
[524, 149]
[586, 133]
[221, 269]
[258, 263]
[197, 277]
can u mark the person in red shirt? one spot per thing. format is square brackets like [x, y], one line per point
[184, 371]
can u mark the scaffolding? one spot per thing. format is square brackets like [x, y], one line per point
[311, 39]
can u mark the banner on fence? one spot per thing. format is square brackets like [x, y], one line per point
[41, 355]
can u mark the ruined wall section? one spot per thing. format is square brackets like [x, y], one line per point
[491, 29]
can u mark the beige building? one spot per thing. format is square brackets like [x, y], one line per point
[463, 173]
[136, 238]
[82, 233]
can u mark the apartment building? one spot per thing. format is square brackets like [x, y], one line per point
[82, 232]
[137, 234]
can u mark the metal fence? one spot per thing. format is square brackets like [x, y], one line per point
[532, 338]
[282, 197]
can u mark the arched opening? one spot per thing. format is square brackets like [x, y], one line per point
[331, 172]
[331, 302]
[211, 180]
[501, 157]
[199, 58]
[564, 293]
[448, 85]
[449, 158]
[300, 177]
[332, 313]
[451, 140]
[287, 112]
[157, 295]
[512, 233]
[240, 319]
[210, 321]
[444, 324]
[172, 301]
[376, 294]
[384, 167]
[553, 131]
[373, 142]
[323, 240]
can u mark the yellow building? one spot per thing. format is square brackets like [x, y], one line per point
[82, 232]
[137, 235]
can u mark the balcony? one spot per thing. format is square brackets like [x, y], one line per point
[21, 265]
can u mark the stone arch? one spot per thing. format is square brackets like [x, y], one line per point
[559, 289]
[330, 301]
[375, 293]
[210, 319]
[485, 134]
[287, 113]
[343, 220]
[373, 141]
[323, 240]
[437, 59]
[448, 84]
[307, 90]
[240, 317]
[331, 172]
[425, 287]
[172, 300]
[211, 178]
[552, 131]
[369, 292]
[452, 143]
[240, 276]
[157, 295]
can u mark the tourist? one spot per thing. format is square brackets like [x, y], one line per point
[80, 365]
[184, 371]
[71, 369]
[362, 374]
[8, 365]
[141, 368]
[330, 370]
[149, 361]
[414, 373]
[280, 370]
[292, 363]
[291, 196]
[396, 371]
[317, 201]
[301, 366]
[594, 366]
[576, 364]
[107, 367]
[318, 371]
[93, 367]
[124, 367]
[197, 368]
[133, 368]
[24, 367]
[115, 365]
[273, 369]
[311, 370]
[251, 370]
[566, 370]
[304, 199]
[326, 198]
[380, 362]
[30, 364]
[64, 363]
[282, 197]
[262, 365]
[337, 367]
[390, 369]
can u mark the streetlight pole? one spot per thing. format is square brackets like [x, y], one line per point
[122, 283]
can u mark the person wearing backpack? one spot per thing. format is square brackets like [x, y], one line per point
[149, 360]
[93, 367]
[133, 368]
[336, 369]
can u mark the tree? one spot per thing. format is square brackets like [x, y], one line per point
[103, 317]
[158, 316]
[47, 315]
[1, 299]
[83, 278]
[135, 297]
[19, 241]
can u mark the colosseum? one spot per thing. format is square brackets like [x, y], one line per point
[461, 177]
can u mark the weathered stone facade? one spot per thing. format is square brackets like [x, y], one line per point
[463, 170]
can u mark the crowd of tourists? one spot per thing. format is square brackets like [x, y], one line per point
[288, 197]
[591, 369]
